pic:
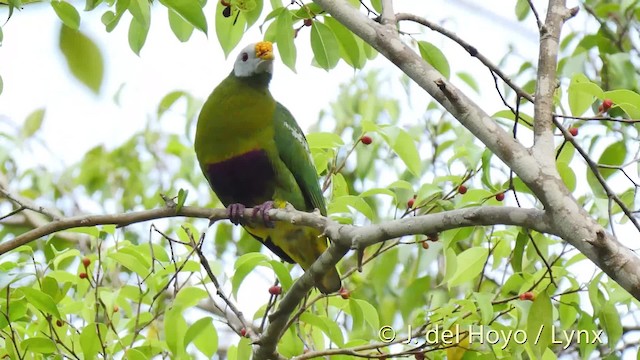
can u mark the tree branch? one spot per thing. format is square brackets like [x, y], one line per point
[546, 80]
[536, 169]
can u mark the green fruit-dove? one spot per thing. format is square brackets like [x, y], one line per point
[253, 153]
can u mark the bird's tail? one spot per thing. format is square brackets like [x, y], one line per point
[329, 282]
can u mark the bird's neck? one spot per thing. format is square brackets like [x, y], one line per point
[256, 81]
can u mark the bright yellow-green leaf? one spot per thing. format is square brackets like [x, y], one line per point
[204, 335]
[83, 57]
[610, 320]
[137, 35]
[140, 9]
[67, 13]
[91, 339]
[326, 50]
[229, 30]
[324, 140]
[403, 144]
[540, 322]
[41, 301]
[469, 265]
[627, 100]
[32, 123]
[38, 344]
[582, 93]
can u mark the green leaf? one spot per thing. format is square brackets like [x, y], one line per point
[137, 35]
[581, 94]
[32, 123]
[567, 175]
[175, 329]
[469, 80]
[403, 144]
[1, 82]
[190, 11]
[189, 297]
[568, 307]
[434, 56]
[328, 327]
[204, 336]
[181, 28]
[41, 345]
[522, 9]
[611, 324]
[67, 13]
[41, 301]
[350, 48]
[540, 323]
[627, 100]
[90, 340]
[130, 262]
[140, 9]
[325, 46]
[284, 39]
[229, 30]
[243, 266]
[324, 140]
[469, 265]
[83, 57]
[613, 155]
[182, 197]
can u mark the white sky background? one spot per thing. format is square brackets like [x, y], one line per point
[35, 75]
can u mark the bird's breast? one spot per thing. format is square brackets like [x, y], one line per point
[248, 178]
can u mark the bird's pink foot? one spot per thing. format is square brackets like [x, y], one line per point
[236, 213]
[263, 212]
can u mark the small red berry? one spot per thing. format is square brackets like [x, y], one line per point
[366, 140]
[59, 323]
[116, 308]
[275, 290]
[308, 22]
[527, 296]
[606, 104]
[500, 196]
[344, 293]
[573, 131]
[462, 189]
[419, 356]
[243, 332]
[410, 203]
[425, 245]
[83, 275]
[86, 262]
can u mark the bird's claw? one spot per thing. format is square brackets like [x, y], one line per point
[236, 213]
[263, 212]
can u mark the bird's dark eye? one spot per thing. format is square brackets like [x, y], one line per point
[245, 56]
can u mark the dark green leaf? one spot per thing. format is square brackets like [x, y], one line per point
[190, 10]
[350, 48]
[434, 56]
[522, 9]
[284, 39]
[83, 57]
[324, 44]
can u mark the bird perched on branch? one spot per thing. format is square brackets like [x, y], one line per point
[253, 153]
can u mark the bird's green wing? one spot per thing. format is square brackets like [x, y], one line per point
[294, 152]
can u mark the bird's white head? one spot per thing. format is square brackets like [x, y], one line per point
[254, 59]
